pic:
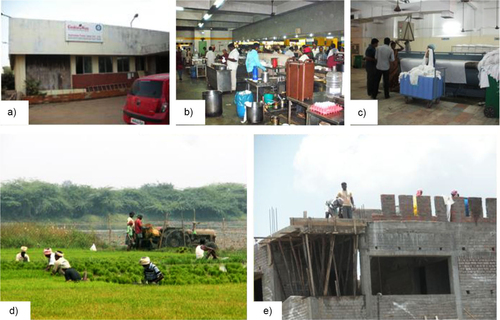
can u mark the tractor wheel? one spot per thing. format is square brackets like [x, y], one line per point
[174, 241]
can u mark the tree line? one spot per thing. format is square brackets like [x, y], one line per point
[23, 200]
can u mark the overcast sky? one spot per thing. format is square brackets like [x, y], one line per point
[299, 173]
[152, 13]
[129, 160]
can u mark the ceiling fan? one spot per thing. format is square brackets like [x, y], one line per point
[272, 9]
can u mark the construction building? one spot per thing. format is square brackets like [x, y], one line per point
[73, 57]
[384, 264]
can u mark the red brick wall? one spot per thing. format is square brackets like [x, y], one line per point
[83, 81]
[75, 96]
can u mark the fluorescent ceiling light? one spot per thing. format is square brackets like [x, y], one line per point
[284, 37]
[179, 8]
[311, 35]
[200, 24]
[296, 36]
[329, 37]
[329, 33]
[207, 16]
[218, 3]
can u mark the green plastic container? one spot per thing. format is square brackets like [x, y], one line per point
[492, 95]
[269, 98]
[358, 61]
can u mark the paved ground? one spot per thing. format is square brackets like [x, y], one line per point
[96, 111]
[394, 111]
[192, 89]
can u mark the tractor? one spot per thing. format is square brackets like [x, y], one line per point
[155, 238]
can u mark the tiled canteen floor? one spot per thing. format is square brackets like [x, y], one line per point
[394, 111]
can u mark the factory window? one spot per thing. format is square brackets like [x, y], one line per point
[83, 64]
[105, 64]
[140, 64]
[123, 64]
[410, 275]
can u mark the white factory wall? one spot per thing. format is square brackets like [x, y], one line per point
[444, 33]
[27, 36]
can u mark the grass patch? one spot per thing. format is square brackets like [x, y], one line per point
[192, 289]
[35, 235]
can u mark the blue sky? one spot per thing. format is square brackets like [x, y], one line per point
[296, 173]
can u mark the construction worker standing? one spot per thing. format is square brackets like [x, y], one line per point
[348, 201]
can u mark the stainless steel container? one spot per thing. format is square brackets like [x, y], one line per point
[219, 66]
[213, 103]
[255, 113]
[265, 77]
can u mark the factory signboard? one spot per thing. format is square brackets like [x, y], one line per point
[83, 32]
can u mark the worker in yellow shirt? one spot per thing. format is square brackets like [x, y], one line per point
[347, 200]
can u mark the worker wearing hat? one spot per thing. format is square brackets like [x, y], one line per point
[152, 275]
[430, 48]
[47, 252]
[306, 54]
[62, 266]
[22, 256]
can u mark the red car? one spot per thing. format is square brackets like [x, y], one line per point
[148, 101]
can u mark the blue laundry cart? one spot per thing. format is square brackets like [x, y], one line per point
[430, 89]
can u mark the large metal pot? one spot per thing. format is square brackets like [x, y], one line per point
[255, 113]
[213, 103]
[219, 66]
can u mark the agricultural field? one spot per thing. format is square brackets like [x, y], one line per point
[192, 289]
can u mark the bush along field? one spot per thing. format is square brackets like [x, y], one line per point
[114, 289]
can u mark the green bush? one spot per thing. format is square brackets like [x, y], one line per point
[33, 87]
[8, 79]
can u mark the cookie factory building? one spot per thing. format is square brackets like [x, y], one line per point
[68, 57]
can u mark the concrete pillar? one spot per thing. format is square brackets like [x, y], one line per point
[440, 208]
[365, 276]
[455, 285]
[476, 209]
[132, 64]
[406, 206]
[72, 63]
[115, 65]
[388, 204]
[424, 207]
[95, 64]
[491, 209]
[458, 210]
[20, 73]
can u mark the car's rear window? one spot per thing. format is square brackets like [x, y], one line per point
[147, 88]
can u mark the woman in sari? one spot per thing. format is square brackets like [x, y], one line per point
[394, 69]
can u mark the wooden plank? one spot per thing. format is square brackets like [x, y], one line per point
[299, 269]
[307, 270]
[347, 268]
[337, 286]
[355, 265]
[309, 261]
[286, 266]
[330, 260]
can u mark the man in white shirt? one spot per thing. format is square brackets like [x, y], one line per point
[315, 49]
[210, 57]
[348, 201]
[290, 53]
[384, 57]
[232, 64]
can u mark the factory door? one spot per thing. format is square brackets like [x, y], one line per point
[53, 71]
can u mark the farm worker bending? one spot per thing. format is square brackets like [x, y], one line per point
[151, 272]
[138, 230]
[22, 256]
[201, 249]
[47, 252]
[62, 266]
